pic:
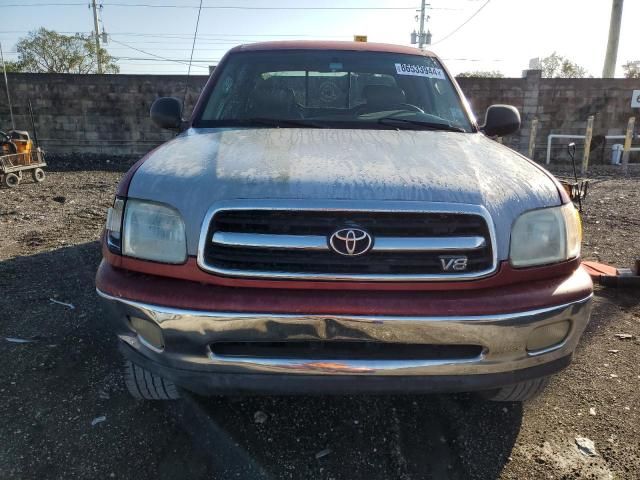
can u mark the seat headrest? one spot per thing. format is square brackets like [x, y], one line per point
[269, 97]
[383, 95]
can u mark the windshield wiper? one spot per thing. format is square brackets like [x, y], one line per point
[282, 122]
[391, 120]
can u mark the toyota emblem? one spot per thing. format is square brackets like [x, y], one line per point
[350, 242]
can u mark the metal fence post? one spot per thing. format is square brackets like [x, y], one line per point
[532, 137]
[627, 144]
[587, 145]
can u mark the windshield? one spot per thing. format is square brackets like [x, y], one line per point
[334, 89]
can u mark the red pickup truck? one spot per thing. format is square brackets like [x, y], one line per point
[333, 219]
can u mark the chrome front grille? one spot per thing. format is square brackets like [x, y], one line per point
[407, 244]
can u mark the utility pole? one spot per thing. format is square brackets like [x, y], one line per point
[6, 84]
[614, 38]
[421, 34]
[97, 34]
[422, 38]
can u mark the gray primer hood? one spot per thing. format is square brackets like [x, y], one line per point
[203, 167]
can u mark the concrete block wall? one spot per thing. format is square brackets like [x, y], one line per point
[483, 92]
[99, 114]
[561, 106]
[109, 114]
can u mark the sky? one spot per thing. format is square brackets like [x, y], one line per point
[503, 36]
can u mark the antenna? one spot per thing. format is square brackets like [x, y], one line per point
[193, 47]
[6, 85]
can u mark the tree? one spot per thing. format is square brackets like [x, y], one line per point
[12, 67]
[482, 74]
[47, 51]
[632, 69]
[557, 66]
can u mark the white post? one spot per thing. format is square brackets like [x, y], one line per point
[587, 145]
[532, 137]
[627, 144]
[609, 68]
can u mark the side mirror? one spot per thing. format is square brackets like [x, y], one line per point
[166, 113]
[501, 120]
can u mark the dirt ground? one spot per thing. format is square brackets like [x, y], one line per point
[64, 412]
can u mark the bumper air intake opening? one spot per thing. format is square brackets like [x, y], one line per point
[345, 350]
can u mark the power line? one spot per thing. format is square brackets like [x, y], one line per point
[163, 59]
[220, 34]
[183, 43]
[239, 7]
[210, 38]
[216, 7]
[43, 5]
[177, 49]
[189, 36]
[474, 59]
[153, 54]
[193, 47]
[463, 23]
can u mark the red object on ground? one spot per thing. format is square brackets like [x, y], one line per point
[596, 270]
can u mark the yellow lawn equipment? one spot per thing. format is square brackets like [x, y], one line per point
[18, 155]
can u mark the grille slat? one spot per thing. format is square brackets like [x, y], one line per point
[241, 259]
[320, 223]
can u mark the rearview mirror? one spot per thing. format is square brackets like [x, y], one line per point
[501, 120]
[166, 112]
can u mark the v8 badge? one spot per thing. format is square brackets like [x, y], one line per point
[457, 263]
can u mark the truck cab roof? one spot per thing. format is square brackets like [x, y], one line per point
[330, 45]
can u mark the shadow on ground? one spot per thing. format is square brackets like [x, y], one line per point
[359, 437]
[75, 162]
[67, 377]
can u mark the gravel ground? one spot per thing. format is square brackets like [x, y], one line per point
[64, 412]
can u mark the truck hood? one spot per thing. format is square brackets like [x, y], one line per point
[205, 166]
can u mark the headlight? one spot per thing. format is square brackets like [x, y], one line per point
[544, 236]
[114, 225]
[149, 231]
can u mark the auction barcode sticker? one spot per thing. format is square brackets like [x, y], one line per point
[419, 71]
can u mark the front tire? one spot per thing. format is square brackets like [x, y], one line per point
[11, 180]
[520, 392]
[144, 385]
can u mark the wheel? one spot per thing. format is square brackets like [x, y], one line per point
[520, 392]
[11, 180]
[144, 385]
[38, 175]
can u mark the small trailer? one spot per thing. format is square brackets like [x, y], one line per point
[17, 156]
[18, 153]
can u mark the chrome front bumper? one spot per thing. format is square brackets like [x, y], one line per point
[188, 334]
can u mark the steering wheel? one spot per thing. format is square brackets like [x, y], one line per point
[363, 109]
